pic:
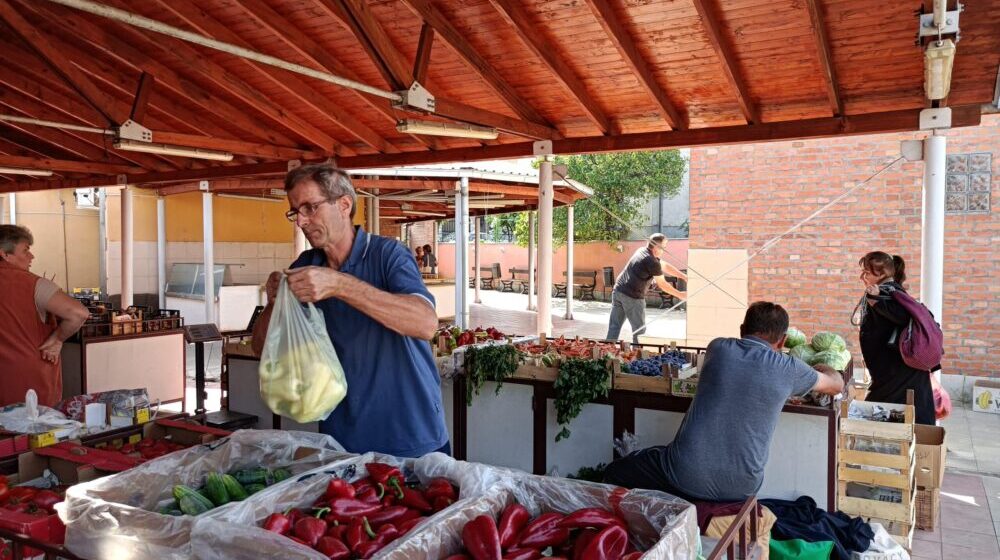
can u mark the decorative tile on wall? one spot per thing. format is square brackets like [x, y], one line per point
[968, 183]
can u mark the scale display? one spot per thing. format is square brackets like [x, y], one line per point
[207, 332]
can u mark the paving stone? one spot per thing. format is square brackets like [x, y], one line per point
[978, 541]
[953, 552]
[927, 549]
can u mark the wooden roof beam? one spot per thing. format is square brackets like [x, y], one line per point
[68, 165]
[423, 59]
[730, 67]
[142, 92]
[112, 111]
[530, 33]
[623, 41]
[373, 39]
[431, 15]
[222, 186]
[818, 23]
[204, 23]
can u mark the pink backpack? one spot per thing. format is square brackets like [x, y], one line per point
[921, 342]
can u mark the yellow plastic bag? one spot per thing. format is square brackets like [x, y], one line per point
[300, 374]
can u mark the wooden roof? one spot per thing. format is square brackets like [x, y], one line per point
[591, 75]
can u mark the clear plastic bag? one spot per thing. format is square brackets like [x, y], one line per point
[116, 517]
[300, 374]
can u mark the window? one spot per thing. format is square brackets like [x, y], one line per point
[86, 199]
[968, 183]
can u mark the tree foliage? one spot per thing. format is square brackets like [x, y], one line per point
[622, 182]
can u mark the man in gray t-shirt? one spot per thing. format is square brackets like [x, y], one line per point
[628, 300]
[721, 449]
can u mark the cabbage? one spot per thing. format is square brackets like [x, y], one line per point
[803, 352]
[828, 341]
[794, 337]
[837, 359]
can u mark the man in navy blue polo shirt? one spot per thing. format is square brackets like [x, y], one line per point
[379, 315]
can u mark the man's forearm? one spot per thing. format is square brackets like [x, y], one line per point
[67, 327]
[666, 287]
[406, 314]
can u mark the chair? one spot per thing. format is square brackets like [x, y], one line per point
[609, 281]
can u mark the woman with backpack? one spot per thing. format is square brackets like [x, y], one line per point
[882, 321]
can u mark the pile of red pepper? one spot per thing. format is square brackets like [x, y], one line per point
[149, 448]
[586, 534]
[356, 520]
[29, 500]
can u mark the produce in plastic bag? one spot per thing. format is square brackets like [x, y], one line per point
[300, 374]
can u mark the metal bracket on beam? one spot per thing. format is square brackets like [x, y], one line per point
[417, 97]
[542, 148]
[933, 119]
[912, 150]
[949, 25]
[203, 186]
[132, 130]
[294, 164]
[121, 180]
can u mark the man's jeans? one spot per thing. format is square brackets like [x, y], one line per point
[623, 307]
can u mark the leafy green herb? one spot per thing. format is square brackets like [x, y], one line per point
[488, 363]
[590, 474]
[578, 383]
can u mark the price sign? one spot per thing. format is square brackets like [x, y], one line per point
[207, 332]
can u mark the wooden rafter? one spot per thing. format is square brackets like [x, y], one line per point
[112, 111]
[142, 92]
[224, 185]
[201, 21]
[730, 67]
[518, 18]
[818, 24]
[423, 59]
[431, 15]
[30, 145]
[373, 39]
[68, 165]
[138, 55]
[625, 44]
[905, 120]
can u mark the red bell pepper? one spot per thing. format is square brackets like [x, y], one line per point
[513, 519]
[294, 515]
[543, 532]
[310, 529]
[370, 495]
[415, 499]
[582, 540]
[337, 532]
[344, 509]
[481, 538]
[390, 514]
[278, 523]
[522, 554]
[632, 556]
[438, 487]
[382, 473]
[609, 544]
[358, 533]
[405, 526]
[339, 488]
[368, 549]
[596, 518]
[410, 514]
[362, 483]
[4, 489]
[387, 533]
[22, 493]
[333, 548]
[46, 499]
[441, 503]
[458, 557]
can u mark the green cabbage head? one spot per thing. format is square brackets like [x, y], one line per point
[803, 352]
[794, 338]
[837, 359]
[828, 341]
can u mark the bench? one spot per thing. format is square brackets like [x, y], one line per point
[586, 288]
[508, 285]
[487, 274]
[667, 300]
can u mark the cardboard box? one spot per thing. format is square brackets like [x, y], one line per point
[986, 396]
[930, 453]
[12, 443]
[47, 529]
[71, 462]
[928, 507]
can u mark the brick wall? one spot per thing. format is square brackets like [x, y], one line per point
[742, 196]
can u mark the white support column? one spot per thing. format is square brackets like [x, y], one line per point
[434, 245]
[466, 318]
[13, 208]
[102, 240]
[545, 200]
[208, 235]
[461, 264]
[127, 248]
[299, 240]
[161, 250]
[376, 215]
[478, 274]
[932, 254]
[569, 263]
[531, 261]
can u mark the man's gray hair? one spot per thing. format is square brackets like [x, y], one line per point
[657, 239]
[334, 182]
[11, 235]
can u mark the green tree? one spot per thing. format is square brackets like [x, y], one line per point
[622, 182]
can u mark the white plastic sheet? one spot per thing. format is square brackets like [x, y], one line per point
[115, 516]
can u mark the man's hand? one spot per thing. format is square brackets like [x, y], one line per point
[51, 349]
[272, 286]
[830, 382]
[314, 283]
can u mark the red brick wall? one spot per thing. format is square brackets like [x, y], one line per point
[742, 196]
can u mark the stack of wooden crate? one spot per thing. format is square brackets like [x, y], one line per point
[879, 455]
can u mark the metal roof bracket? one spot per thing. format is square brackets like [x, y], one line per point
[933, 119]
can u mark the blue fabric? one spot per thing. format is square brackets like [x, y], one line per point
[722, 446]
[393, 403]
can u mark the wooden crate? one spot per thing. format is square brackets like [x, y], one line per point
[640, 383]
[133, 326]
[890, 459]
[539, 373]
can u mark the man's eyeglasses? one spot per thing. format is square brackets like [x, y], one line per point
[306, 210]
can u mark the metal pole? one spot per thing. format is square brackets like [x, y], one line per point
[461, 272]
[531, 261]
[376, 214]
[569, 263]
[127, 248]
[545, 200]
[466, 318]
[932, 254]
[208, 236]
[161, 250]
[478, 274]
[434, 243]
[102, 240]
